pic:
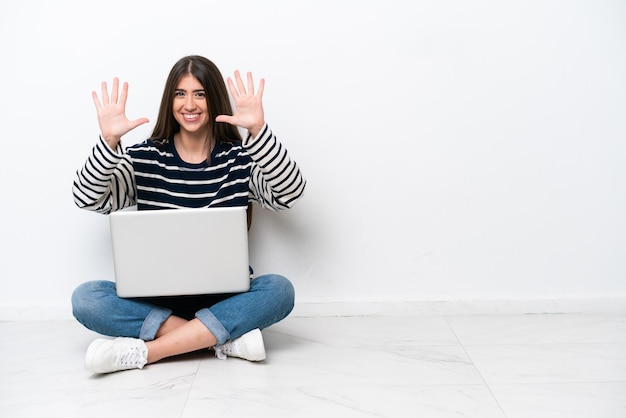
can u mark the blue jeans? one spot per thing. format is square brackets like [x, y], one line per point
[95, 304]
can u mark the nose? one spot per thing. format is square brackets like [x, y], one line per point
[189, 102]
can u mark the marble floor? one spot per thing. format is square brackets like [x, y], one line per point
[529, 366]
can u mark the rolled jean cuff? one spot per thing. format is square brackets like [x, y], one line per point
[210, 321]
[153, 322]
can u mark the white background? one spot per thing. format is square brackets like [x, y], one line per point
[454, 150]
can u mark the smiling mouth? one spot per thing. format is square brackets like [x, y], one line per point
[191, 116]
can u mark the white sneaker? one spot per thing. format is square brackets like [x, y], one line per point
[248, 347]
[106, 356]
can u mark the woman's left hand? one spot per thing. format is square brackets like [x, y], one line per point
[248, 105]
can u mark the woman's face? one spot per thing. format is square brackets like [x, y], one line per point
[190, 106]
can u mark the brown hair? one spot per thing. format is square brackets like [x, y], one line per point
[218, 102]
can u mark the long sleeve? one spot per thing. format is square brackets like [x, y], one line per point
[106, 181]
[275, 179]
[259, 169]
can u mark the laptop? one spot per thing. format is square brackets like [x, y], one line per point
[180, 251]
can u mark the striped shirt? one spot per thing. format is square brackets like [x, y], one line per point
[258, 169]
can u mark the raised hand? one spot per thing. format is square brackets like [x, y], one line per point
[112, 113]
[248, 105]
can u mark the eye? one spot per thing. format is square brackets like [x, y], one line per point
[179, 93]
[200, 94]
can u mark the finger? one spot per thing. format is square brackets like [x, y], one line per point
[240, 86]
[138, 122]
[96, 100]
[124, 94]
[114, 90]
[231, 87]
[250, 84]
[105, 93]
[261, 88]
[225, 119]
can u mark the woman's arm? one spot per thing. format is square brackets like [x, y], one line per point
[106, 182]
[276, 181]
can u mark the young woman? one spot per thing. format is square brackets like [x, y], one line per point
[195, 158]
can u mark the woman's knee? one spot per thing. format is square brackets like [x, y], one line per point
[280, 288]
[86, 297]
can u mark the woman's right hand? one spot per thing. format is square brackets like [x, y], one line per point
[112, 113]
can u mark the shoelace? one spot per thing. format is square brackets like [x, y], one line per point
[222, 351]
[132, 357]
